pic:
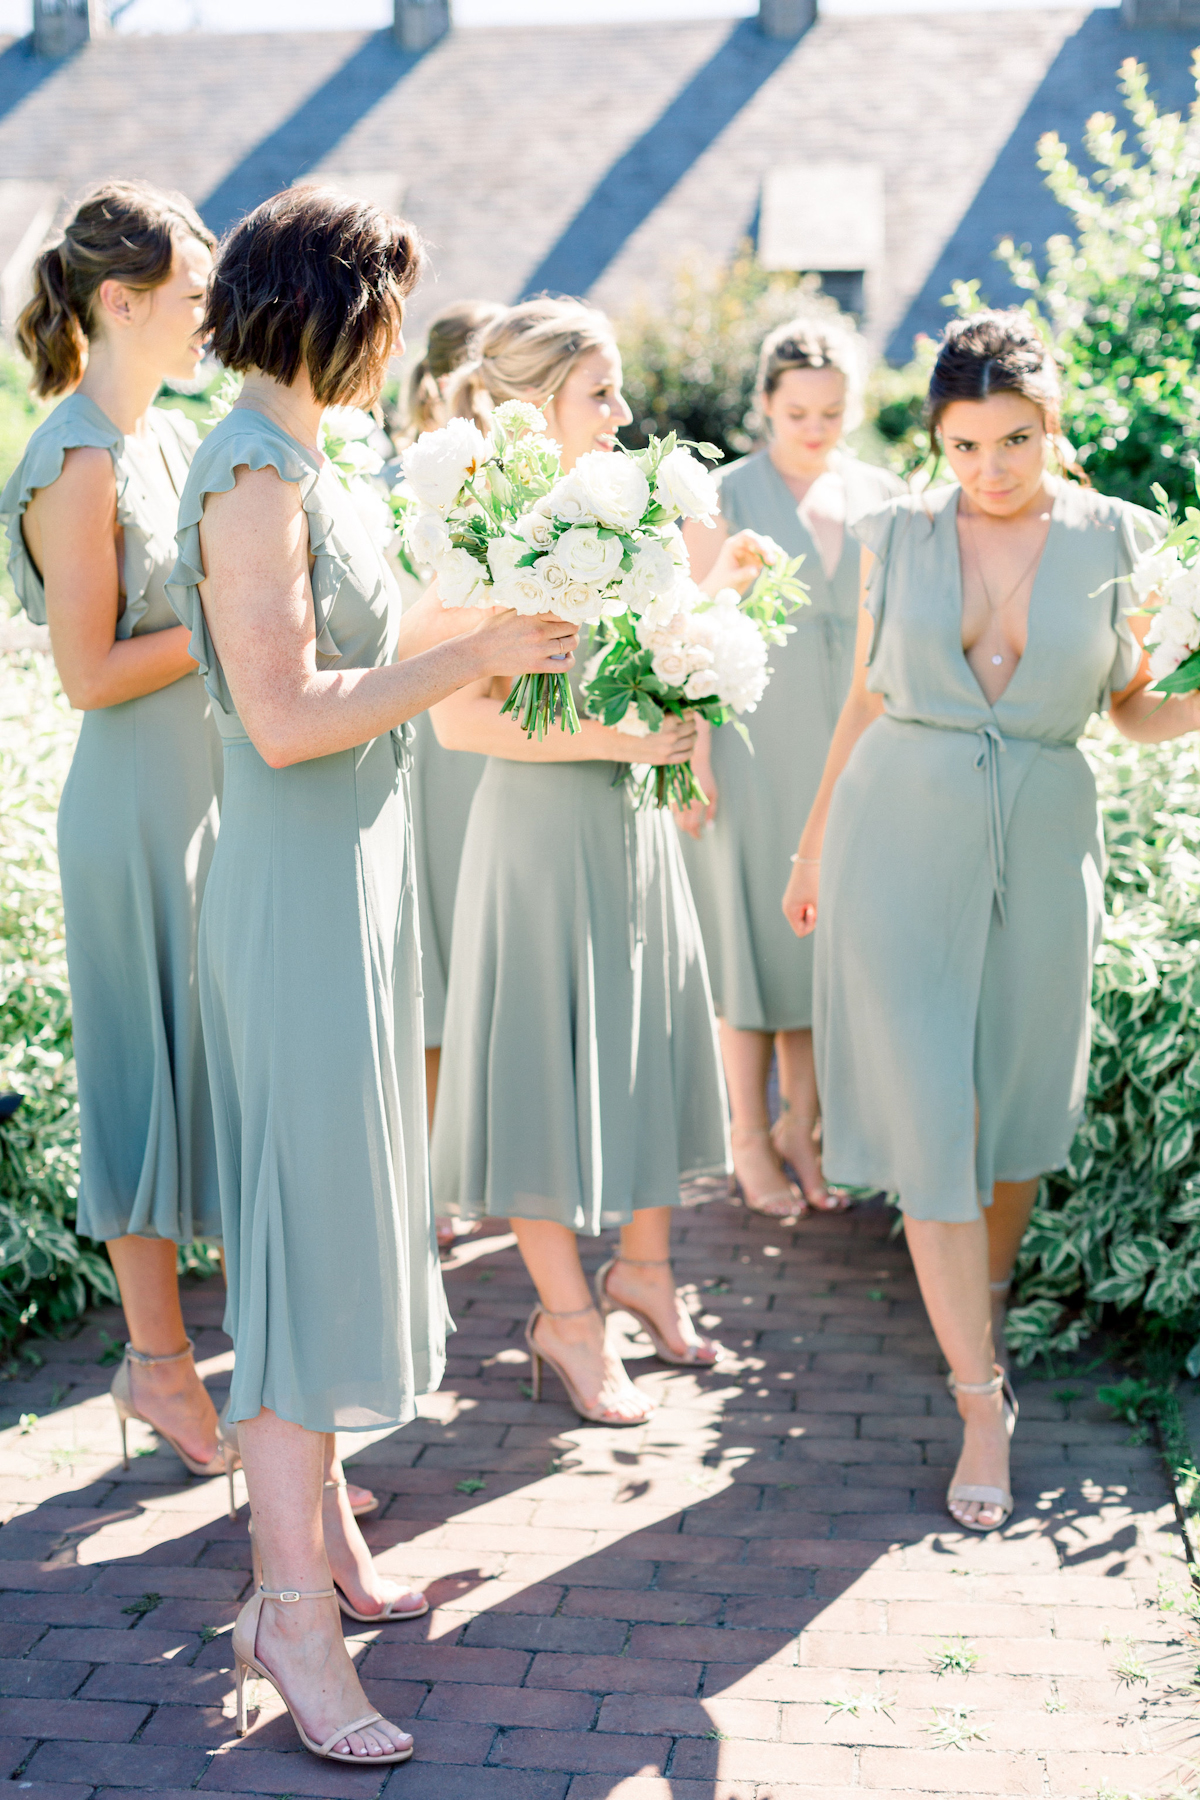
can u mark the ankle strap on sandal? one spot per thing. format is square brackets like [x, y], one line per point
[339, 1481]
[577, 1314]
[147, 1362]
[644, 1262]
[980, 1387]
[1005, 1281]
[289, 1596]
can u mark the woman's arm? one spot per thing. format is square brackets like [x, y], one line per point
[1148, 718]
[703, 544]
[471, 720]
[70, 532]
[862, 708]
[258, 604]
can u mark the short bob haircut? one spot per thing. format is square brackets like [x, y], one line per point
[314, 278]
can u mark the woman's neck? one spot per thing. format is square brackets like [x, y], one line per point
[291, 405]
[800, 471]
[123, 389]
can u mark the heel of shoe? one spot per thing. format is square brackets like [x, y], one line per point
[121, 1420]
[535, 1376]
[240, 1672]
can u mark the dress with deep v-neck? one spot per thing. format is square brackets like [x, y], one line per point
[137, 826]
[761, 976]
[962, 869]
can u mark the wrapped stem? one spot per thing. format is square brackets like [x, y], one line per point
[538, 701]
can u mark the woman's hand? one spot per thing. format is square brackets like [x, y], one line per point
[696, 817]
[800, 897]
[673, 742]
[511, 643]
[739, 563]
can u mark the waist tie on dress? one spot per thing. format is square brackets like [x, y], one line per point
[991, 748]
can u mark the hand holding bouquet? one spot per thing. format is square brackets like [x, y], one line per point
[687, 652]
[501, 525]
[1170, 573]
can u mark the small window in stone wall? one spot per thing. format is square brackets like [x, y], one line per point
[826, 219]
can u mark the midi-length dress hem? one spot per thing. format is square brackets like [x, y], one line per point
[310, 989]
[137, 826]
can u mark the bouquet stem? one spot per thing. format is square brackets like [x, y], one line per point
[674, 784]
[538, 701]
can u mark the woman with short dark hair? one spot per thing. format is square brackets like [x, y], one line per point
[957, 851]
[308, 946]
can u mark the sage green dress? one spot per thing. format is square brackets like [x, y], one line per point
[580, 1077]
[761, 973]
[962, 870]
[443, 787]
[136, 829]
[310, 990]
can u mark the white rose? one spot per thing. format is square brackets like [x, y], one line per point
[523, 592]
[682, 485]
[632, 723]
[568, 502]
[612, 487]
[579, 602]
[654, 572]
[1165, 660]
[700, 684]
[586, 556]
[552, 574]
[671, 666]
[677, 602]
[534, 529]
[461, 580]
[426, 537]
[438, 464]
[503, 554]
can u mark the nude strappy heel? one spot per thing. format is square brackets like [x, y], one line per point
[691, 1358]
[968, 1491]
[832, 1203]
[245, 1662]
[592, 1415]
[762, 1206]
[122, 1398]
[390, 1614]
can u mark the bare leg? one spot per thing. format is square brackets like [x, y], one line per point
[642, 1274]
[1007, 1221]
[551, 1255]
[952, 1268]
[800, 1117]
[302, 1642]
[349, 1557]
[747, 1059]
[172, 1395]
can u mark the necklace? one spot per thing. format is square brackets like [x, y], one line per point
[995, 607]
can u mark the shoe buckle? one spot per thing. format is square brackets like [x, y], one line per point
[289, 1594]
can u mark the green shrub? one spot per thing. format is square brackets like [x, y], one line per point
[1121, 294]
[1115, 1238]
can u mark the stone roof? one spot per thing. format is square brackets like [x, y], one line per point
[594, 158]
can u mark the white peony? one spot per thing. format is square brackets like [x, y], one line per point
[1152, 572]
[611, 487]
[523, 592]
[1183, 588]
[503, 554]
[632, 723]
[586, 556]
[682, 485]
[1165, 660]
[654, 572]
[1174, 624]
[358, 458]
[438, 464]
[701, 684]
[461, 580]
[671, 665]
[349, 423]
[568, 502]
[426, 537]
[739, 657]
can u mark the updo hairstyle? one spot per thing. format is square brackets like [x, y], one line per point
[122, 231]
[528, 352]
[814, 343]
[314, 279]
[453, 339]
[994, 353]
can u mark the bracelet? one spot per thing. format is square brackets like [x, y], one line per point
[806, 859]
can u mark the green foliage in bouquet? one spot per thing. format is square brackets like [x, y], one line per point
[1115, 1237]
[1121, 294]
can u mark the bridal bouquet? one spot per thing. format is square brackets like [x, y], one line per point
[1170, 572]
[687, 652]
[501, 525]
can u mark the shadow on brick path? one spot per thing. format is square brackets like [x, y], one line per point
[746, 1599]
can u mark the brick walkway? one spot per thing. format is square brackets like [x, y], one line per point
[746, 1599]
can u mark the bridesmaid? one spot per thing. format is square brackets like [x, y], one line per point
[802, 490]
[90, 511]
[308, 956]
[580, 1076]
[957, 836]
[443, 781]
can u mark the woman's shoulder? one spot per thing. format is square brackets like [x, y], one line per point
[246, 439]
[912, 514]
[1085, 509]
[76, 423]
[745, 476]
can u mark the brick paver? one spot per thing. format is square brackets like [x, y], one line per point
[749, 1598]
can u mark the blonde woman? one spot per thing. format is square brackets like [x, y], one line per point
[580, 1080]
[804, 490]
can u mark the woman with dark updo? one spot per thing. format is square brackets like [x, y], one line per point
[956, 848]
[308, 951]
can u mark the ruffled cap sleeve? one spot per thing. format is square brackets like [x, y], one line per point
[73, 425]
